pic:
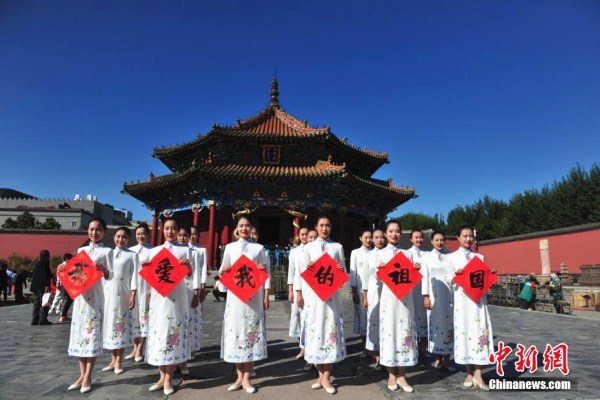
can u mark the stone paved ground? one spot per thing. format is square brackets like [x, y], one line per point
[34, 363]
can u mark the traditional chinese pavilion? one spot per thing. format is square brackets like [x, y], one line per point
[278, 169]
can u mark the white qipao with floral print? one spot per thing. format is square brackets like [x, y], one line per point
[437, 277]
[193, 283]
[295, 258]
[397, 333]
[420, 313]
[374, 287]
[244, 336]
[169, 317]
[358, 269]
[324, 322]
[88, 309]
[118, 327]
[473, 340]
[143, 290]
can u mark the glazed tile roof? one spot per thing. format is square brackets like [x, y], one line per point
[269, 123]
[275, 121]
[321, 170]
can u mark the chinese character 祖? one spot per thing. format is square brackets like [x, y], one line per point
[476, 279]
[402, 276]
[526, 358]
[499, 356]
[164, 271]
[244, 277]
[324, 277]
[556, 358]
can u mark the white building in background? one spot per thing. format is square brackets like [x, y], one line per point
[71, 214]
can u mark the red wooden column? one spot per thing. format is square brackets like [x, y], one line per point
[226, 235]
[161, 237]
[211, 234]
[154, 228]
[195, 208]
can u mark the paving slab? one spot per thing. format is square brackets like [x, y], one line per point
[34, 363]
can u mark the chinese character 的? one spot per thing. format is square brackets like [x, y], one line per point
[324, 277]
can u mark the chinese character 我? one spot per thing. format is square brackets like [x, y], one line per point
[244, 277]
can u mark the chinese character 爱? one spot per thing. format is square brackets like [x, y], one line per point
[164, 271]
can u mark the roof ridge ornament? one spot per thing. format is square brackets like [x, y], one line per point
[330, 165]
[274, 94]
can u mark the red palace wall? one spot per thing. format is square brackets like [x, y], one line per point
[523, 256]
[30, 244]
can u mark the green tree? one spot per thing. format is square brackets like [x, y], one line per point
[10, 224]
[51, 224]
[26, 221]
[15, 261]
[55, 261]
[421, 221]
[459, 216]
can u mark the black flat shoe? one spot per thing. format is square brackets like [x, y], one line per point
[46, 322]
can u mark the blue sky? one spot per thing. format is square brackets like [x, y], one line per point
[468, 97]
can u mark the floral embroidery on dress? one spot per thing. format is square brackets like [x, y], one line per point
[173, 339]
[144, 319]
[89, 333]
[118, 328]
[252, 337]
[331, 341]
[483, 341]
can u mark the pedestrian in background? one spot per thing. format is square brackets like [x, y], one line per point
[40, 284]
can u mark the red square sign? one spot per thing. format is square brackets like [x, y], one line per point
[244, 278]
[400, 275]
[164, 272]
[476, 279]
[79, 274]
[324, 277]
